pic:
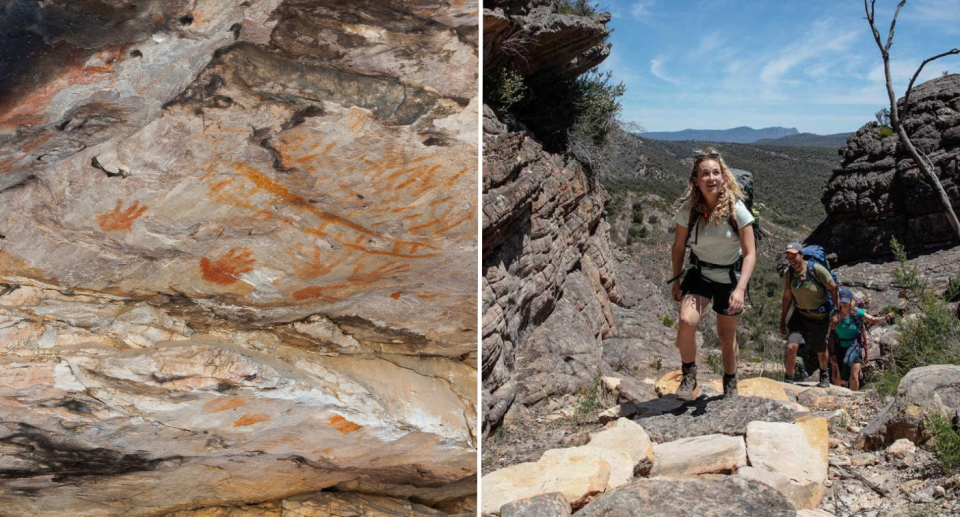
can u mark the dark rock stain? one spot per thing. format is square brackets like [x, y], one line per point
[49, 454]
[302, 114]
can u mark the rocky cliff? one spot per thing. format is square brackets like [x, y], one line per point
[237, 256]
[878, 192]
[548, 286]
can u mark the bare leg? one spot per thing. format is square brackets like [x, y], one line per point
[691, 307]
[823, 357]
[727, 330]
[855, 377]
[790, 358]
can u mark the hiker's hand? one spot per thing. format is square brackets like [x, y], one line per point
[783, 328]
[888, 317]
[833, 360]
[834, 320]
[675, 290]
[736, 301]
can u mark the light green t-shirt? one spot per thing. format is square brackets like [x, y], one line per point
[713, 242]
[809, 294]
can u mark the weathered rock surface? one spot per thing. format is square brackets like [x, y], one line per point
[539, 41]
[578, 477]
[877, 192]
[728, 496]
[716, 416]
[802, 494]
[237, 256]
[922, 391]
[709, 454]
[545, 505]
[784, 448]
[548, 287]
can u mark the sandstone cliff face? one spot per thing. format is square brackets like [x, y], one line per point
[237, 254]
[877, 192]
[548, 287]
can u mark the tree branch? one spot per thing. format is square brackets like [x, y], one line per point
[893, 23]
[906, 96]
[868, 7]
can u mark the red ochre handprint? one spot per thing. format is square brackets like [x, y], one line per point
[121, 220]
[313, 268]
[376, 275]
[221, 271]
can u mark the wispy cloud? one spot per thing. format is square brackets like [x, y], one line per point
[821, 40]
[641, 9]
[656, 68]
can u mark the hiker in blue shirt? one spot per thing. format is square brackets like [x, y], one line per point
[848, 341]
[719, 229]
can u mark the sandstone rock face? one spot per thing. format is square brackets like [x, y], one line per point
[237, 256]
[877, 192]
[548, 283]
[922, 391]
[578, 477]
[784, 448]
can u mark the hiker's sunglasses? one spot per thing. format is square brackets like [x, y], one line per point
[712, 156]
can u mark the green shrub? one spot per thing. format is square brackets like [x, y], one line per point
[636, 232]
[952, 293]
[931, 337]
[506, 88]
[667, 321]
[884, 131]
[715, 361]
[578, 7]
[946, 442]
[906, 276]
[637, 212]
[588, 397]
[653, 219]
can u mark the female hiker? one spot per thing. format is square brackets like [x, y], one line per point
[848, 341]
[718, 227]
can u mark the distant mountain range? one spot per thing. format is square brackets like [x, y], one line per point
[834, 141]
[738, 135]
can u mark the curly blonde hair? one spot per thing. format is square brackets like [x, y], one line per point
[730, 192]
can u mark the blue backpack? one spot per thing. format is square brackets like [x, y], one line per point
[814, 254]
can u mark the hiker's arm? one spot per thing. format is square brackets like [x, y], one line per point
[831, 346]
[877, 319]
[835, 293]
[787, 301]
[749, 260]
[748, 245]
[677, 252]
[866, 344]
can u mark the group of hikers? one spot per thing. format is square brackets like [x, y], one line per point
[720, 229]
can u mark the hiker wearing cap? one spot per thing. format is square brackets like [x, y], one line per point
[848, 341]
[809, 287]
[718, 226]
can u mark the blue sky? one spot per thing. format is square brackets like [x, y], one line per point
[811, 64]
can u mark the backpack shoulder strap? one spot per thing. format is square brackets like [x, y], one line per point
[692, 222]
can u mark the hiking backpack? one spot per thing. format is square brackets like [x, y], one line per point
[815, 254]
[745, 180]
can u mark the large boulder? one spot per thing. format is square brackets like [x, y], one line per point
[577, 476]
[878, 192]
[922, 392]
[729, 496]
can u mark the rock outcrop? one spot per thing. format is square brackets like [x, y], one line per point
[548, 286]
[878, 192]
[238, 249]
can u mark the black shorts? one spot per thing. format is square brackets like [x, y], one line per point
[810, 332]
[694, 283]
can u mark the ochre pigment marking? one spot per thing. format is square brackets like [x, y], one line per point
[251, 419]
[221, 271]
[121, 220]
[218, 405]
[381, 273]
[453, 179]
[317, 293]
[314, 267]
[427, 295]
[396, 296]
[343, 425]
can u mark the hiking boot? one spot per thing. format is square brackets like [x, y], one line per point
[789, 379]
[688, 384]
[824, 379]
[730, 386]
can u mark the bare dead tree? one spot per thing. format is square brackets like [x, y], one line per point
[922, 162]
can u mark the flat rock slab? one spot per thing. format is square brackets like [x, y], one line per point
[803, 495]
[577, 477]
[696, 455]
[728, 497]
[756, 387]
[622, 466]
[543, 505]
[625, 436]
[785, 449]
[715, 416]
[654, 407]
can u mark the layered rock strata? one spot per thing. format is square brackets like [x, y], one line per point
[548, 284]
[237, 253]
[878, 192]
